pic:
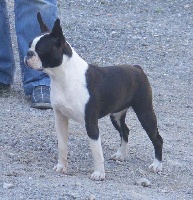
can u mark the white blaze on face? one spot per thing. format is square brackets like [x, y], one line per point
[35, 62]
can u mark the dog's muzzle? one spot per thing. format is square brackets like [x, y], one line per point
[25, 61]
[31, 61]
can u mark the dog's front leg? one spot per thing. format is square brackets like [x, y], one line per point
[61, 125]
[96, 149]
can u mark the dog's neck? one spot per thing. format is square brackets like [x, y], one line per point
[70, 68]
[70, 74]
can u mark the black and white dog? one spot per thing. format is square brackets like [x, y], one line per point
[86, 93]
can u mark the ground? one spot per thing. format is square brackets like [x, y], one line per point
[158, 35]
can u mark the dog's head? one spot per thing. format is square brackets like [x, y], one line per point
[47, 50]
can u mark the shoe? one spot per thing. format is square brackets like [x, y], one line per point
[4, 89]
[40, 97]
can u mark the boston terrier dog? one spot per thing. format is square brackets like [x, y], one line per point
[86, 93]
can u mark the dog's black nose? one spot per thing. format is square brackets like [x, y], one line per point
[30, 54]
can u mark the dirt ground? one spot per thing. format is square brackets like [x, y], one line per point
[158, 35]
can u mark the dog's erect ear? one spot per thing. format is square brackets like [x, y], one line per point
[57, 31]
[43, 26]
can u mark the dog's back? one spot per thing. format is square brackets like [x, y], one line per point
[116, 87]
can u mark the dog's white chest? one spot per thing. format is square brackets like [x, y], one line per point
[69, 92]
[70, 101]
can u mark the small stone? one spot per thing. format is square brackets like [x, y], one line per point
[7, 185]
[42, 175]
[12, 173]
[144, 182]
[187, 6]
[92, 197]
[11, 154]
[119, 162]
[72, 196]
[143, 172]
[164, 191]
[78, 184]
[113, 33]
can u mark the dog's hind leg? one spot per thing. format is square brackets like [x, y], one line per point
[118, 120]
[147, 117]
[61, 126]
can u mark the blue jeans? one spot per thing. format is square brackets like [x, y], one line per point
[27, 28]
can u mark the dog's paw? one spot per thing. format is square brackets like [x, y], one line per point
[98, 176]
[118, 156]
[121, 153]
[156, 166]
[60, 168]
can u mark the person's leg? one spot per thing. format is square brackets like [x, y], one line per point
[27, 28]
[7, 65]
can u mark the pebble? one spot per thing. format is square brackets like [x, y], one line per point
[143, 172]
[7, 185]
[78, 184]
[92, 197]
[10, 154]
[72, 196]
[144, 182]
[119, 162]
[164, 191]
[113, 33]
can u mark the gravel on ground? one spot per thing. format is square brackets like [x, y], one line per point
[158, 35]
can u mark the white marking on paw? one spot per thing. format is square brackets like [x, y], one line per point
[97, 153]
[118, 156]
[98, 176]
[156, 166]
[121, 153]
[60, 168]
